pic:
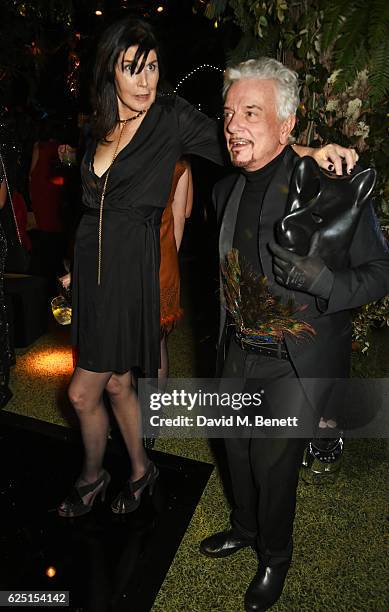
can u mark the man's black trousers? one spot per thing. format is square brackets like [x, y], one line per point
[264, 470]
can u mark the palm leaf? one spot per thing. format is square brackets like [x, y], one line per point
[352, 34]
[378, 25]
[334, 18]
[379, 71]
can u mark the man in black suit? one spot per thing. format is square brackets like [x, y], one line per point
[261, 98]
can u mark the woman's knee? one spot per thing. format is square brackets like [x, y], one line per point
[80, 398]
[118, 386]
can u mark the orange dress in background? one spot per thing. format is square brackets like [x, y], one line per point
[169, 271]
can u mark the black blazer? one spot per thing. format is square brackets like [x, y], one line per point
[360, 279]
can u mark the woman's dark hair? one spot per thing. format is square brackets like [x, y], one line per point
[117, 38]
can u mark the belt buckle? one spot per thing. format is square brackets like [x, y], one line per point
[272, 349]
[265, 348]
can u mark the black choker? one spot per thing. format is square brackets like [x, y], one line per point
[142, 112]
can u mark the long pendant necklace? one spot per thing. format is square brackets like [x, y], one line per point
[123, 123]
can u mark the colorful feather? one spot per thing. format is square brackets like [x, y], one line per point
[258, 315]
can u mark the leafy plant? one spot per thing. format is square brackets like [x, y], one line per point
[358, 33]
[367, 318]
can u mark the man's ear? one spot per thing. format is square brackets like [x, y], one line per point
[304, 184]
[363, 185]
[286, 129]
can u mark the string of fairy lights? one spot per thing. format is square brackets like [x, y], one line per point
[158, 7]
[190, 74]
[197, 69]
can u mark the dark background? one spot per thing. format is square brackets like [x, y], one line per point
[40, 47]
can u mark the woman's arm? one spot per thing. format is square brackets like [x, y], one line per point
[201, 136]
[34, 158]
[3, 193]
[182, 204]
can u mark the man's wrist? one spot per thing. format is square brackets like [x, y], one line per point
[322, 285]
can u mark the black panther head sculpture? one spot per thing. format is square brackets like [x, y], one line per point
[323, 210]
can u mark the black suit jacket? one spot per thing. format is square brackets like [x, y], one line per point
[359, 279]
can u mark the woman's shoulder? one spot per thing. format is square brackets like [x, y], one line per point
[172, 102]
[48, 145]
[165, 99]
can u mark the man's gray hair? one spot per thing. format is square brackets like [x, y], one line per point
[287, 94]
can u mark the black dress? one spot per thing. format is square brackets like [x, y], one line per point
[116, 324]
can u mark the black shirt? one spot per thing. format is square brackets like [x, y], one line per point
[247, 222]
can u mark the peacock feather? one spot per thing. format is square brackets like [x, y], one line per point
[258, 314]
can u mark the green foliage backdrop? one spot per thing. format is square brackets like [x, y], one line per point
[340, 49]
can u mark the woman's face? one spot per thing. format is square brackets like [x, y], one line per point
[137, 91]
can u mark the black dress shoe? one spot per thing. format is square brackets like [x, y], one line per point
[266, 587]
[224, 543]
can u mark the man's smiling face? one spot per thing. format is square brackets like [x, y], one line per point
[254, 133]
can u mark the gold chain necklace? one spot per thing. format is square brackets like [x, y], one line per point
[123, 124]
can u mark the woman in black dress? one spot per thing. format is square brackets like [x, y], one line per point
[127, 171]
[135, 140]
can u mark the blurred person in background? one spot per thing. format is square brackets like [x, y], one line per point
[178, 209]
[47, 202]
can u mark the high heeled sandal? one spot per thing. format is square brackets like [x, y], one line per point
[74, 504]
[127, 501]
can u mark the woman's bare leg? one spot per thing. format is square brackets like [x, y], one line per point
[163, 371]
[126, 408]
[86, 395]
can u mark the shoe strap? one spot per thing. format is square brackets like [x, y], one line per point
[144, 480]
[88, 488]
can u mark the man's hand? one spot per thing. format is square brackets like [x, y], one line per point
[306, 273]
[330, 157]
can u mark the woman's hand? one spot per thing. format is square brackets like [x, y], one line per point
[67, 154]
[3, 193]
[330, 157]
[65, 280]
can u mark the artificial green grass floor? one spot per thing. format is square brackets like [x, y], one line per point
[339, 560]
